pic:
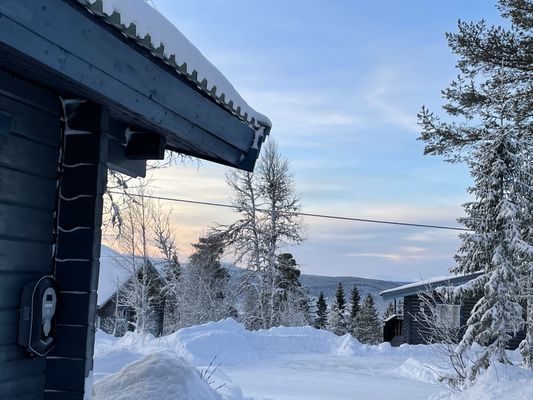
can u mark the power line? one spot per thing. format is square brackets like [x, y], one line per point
[313, 215]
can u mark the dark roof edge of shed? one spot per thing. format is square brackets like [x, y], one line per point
[427, 285]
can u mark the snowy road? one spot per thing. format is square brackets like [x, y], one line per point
[323, 377]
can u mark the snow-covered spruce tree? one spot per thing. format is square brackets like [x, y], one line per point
[336, 317]
[355, 307]
[267, 204]
[369, 329]
[493, 98]
[321, 318]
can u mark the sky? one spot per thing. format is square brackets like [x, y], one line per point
[342, 82]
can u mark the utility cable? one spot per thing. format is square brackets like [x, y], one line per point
[313, 215]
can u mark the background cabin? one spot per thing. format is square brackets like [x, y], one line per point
[116, 314]
[405, 326]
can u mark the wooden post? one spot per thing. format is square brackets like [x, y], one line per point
[79, 218]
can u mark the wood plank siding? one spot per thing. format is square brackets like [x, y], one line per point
[412, 327]
[29, 154]
[414, 332]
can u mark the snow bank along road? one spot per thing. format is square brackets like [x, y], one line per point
[276, 364]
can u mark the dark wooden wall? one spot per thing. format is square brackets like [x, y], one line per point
[414, 331]
[412, 328]
[29, 154]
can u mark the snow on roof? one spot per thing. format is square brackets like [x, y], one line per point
[398, 316]
[139, 21]
[428, 284]
[114, 272]
[116, 269]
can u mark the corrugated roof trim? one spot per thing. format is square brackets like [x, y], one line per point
[139, 21]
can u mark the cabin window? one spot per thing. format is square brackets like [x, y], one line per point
[398, 327]
[448, 315]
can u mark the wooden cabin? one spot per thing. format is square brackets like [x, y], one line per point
[85, 89]
[115, 312]
[405, 326]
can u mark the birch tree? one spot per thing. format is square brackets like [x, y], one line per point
[164, 239]
[267, 204]
[139, 292]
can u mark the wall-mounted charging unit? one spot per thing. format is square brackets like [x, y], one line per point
[37, 316]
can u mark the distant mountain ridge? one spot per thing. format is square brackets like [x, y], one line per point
[328, 285]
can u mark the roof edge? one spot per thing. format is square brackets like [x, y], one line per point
[426, 285]
[227, 97]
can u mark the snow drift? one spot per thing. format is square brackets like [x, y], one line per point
[231, 344]
[156, 376]
[499, 382]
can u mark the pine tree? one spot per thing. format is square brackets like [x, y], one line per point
[369, 329]
[495, 244]
[340, 301]
[355, 306]
[321, 319]
[336, 317]
[291, 302]
[493, 96]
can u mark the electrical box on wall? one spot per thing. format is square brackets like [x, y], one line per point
[38, 316]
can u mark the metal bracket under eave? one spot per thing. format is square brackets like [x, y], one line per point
[144, 145]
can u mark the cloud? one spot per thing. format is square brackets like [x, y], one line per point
[391, 257]
[305, 112]
[428, 236]
[383, 96]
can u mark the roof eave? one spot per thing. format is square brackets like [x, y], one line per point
[44, 42]
[427, 286]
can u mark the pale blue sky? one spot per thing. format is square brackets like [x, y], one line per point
[342, 82]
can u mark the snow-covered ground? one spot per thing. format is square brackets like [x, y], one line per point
[223, 361]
